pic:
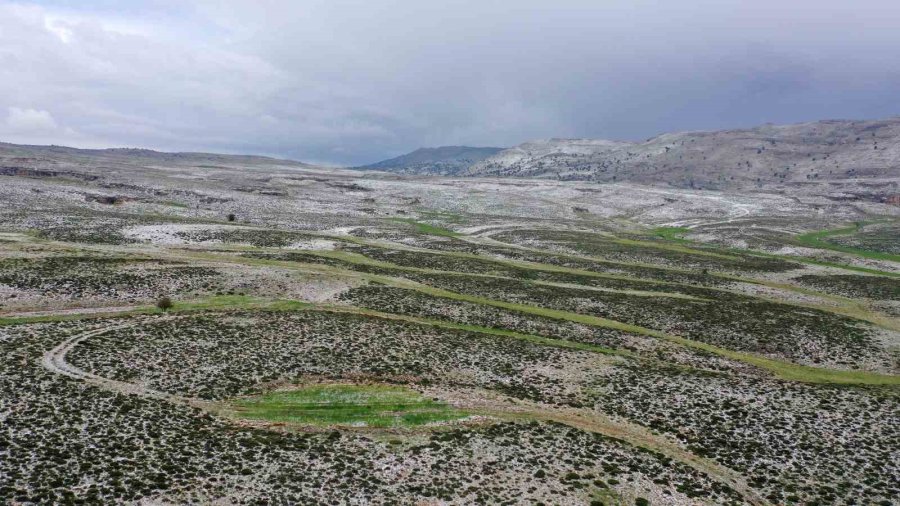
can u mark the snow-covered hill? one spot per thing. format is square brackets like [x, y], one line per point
[807, 152]
[445, 160]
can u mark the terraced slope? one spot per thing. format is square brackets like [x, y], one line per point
[445, 160]
[805, 153]
[438, 356]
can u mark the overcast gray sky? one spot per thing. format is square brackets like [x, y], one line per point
[349, 82]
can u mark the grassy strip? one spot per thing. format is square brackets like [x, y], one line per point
[795, 372]
[674, 234]
[358, 259]
[446, 216]
[674, 247]
[21, 320]
[427, 229]
[544, 341]
[782, 369]
[823, 263]
[818, 240]
[207, 304]
[239, 301]
[378, 406]
[636, 293]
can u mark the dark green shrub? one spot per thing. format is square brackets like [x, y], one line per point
[164, 303]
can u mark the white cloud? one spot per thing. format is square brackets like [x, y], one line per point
[30, 121]
[354, 80]
[58, 28]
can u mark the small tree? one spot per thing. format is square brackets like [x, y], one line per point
[164, 303]
[231, 217]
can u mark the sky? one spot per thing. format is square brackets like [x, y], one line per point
[353, 82]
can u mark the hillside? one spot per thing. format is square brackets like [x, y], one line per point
[251, 331]
[444, 160]
[807, 152]
[26, 157]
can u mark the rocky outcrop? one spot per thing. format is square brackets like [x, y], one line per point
[792, 154]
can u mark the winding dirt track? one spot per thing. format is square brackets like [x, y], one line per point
[75, 311]
[54, 361]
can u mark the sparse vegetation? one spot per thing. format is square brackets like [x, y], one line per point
[493, 345]
[879, 244]
[427, 229]
[164, 303]
[346, 405]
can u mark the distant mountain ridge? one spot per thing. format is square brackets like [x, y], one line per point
[8, 150]
[444, 160]
[806, 152]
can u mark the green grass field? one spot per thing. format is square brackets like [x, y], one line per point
[671, 233]
[427, 229]
[820, 240]
[379, 406]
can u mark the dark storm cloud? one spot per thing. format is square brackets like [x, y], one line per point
[352, 82]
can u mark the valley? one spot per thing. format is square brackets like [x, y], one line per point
[367, 337]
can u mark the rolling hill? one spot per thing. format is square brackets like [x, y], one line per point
[445, 160]
[791, 154]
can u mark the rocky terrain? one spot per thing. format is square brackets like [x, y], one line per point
[820, 153]
[445, 160]
[216, 329]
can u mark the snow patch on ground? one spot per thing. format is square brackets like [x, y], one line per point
[314, 245]
[340, 230]
[323, 290]
[756, 290]
[170, 233]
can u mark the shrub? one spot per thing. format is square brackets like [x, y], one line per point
[164, 303]
[231, 217]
